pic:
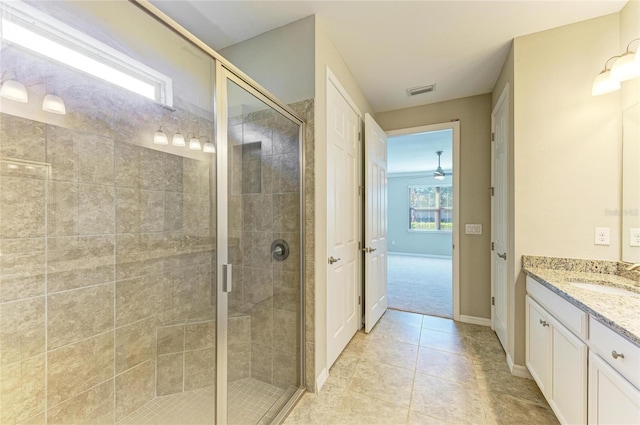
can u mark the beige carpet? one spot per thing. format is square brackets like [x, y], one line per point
[420, 285]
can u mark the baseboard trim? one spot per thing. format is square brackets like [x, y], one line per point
[321, 379]
[518, 370]
[475, 320]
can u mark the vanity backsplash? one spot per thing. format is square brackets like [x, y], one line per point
[579, 265]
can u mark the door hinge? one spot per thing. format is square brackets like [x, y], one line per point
[358, 299]
[360, 190]
[359, 246]
[493, 300]
[493, 190]
[493, 137]
[359, 136]
[493, 246]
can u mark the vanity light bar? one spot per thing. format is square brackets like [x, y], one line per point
[27, 27]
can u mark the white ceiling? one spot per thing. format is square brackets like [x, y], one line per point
[413, 153]
[390, 46]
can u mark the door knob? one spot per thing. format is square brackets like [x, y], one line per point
[503, 256]
[333, 260]
[368, 249]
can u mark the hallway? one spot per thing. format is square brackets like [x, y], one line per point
[415, 369]
[420, 284]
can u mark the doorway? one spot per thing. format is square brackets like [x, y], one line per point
[422, 219]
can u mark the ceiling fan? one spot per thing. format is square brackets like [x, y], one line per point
[439, 173]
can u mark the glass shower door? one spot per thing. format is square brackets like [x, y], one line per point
[259, 239]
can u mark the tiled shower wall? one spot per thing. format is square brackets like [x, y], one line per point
[102, 243]
[264, 206]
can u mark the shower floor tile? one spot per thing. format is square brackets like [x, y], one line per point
[249, 400]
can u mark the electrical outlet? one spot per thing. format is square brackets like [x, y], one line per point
[603, 236]
[634, 236]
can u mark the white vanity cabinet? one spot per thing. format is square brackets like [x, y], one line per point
[614, 377]
[557, 359]
[587, 372]
[612, 399]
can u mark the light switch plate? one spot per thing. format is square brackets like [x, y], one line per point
[473, 229]
[603, 236]
[634, 236]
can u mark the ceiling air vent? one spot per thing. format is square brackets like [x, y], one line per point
[422, 89]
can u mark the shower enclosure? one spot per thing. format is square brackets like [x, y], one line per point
[150, 226]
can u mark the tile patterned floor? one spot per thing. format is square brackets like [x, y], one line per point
[420, 284]
[187, 408]
[415, 369]
[249, 400]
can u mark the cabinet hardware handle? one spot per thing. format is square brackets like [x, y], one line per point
[615, 354]
[503, 256]
[543, 323]
[333, 260]
[369, 250]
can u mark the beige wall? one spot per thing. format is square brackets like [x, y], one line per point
[566, 151]
[280, 60]
[475, 177]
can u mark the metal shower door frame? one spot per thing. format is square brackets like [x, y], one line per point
[226, 70]
[224, 74]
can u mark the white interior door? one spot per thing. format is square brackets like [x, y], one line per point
[375, 223]
[343, 311]
[499, 173]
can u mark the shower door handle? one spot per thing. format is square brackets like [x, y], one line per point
[227, 278]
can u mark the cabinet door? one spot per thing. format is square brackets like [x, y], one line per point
[537, 344]
[568, 392]
[612, 399]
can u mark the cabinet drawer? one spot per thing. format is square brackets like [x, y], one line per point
[565, 312]
[605, 341]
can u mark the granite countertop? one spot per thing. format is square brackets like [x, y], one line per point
[619, 312]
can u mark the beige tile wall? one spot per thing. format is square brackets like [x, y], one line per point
[262, 210]
[102, 242]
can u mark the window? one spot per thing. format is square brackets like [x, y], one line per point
[430, 208]
[29, 28]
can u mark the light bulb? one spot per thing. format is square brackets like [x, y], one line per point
[604, 84]
[209, 147]
[54, 104]
[178, 139]
[159, 138]
[12, 89]
[626, 67]
[194, 144]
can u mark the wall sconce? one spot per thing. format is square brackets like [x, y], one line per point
[604, 83]
[178, 139]
[208, 147]
[194, 143]
[625, 67]
[54, 104]
[159, 138]
[14, 90]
